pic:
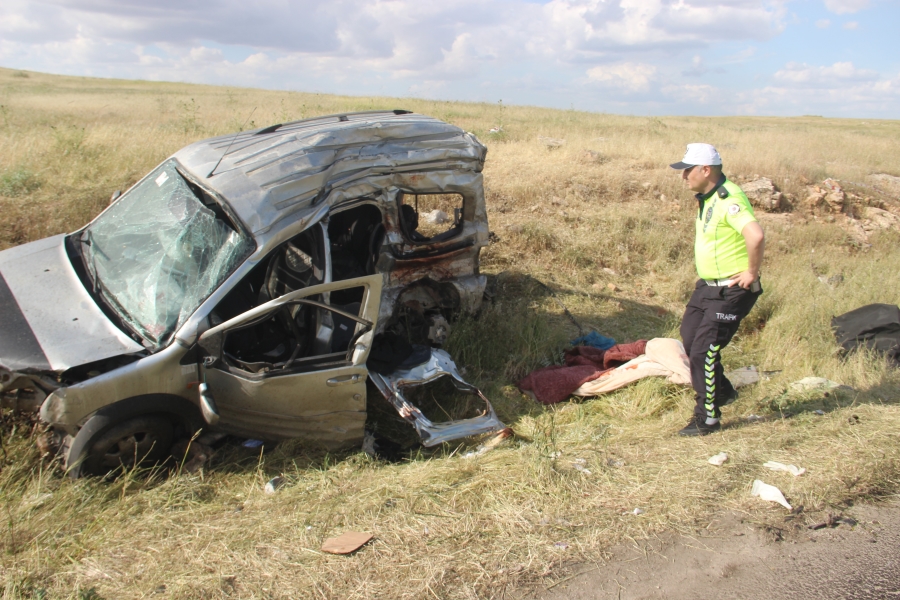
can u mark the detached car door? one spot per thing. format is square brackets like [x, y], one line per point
[308, 385]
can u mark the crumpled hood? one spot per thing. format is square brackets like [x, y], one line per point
[48, 321]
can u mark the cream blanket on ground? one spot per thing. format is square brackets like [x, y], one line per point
[664, 357]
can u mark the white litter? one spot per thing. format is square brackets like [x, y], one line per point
[777, 466]
[274, 484]
[437, 217]
[637, 511]
[770, 493]
[718, 460]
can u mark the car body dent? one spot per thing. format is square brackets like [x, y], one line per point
[161, 373]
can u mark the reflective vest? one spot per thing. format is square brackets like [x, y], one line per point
[719, 247]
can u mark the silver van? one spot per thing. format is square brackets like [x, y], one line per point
[245, 286]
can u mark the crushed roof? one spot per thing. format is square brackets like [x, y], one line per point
[266, 174]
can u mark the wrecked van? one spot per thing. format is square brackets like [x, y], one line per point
[241, 285]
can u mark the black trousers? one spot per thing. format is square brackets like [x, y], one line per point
[710, 320]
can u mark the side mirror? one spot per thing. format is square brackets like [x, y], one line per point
[115, 196]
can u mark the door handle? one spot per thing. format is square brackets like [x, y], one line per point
[342, 380]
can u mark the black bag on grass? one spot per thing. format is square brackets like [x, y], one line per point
[874, 326]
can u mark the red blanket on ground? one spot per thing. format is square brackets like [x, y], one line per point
[583, 363]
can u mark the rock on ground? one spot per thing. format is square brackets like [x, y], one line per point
[887, 184]
[763, 194]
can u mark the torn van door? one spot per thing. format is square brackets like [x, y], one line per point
[306, 374]
[399, 387]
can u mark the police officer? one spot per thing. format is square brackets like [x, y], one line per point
[728, 251]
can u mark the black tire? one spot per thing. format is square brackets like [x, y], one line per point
[138, 441]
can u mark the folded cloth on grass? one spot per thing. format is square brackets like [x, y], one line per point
[663, 357]
[589, 371]
[550, 385]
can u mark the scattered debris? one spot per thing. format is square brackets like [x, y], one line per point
[346, 543]
[490, 444]
[192, 455]
[579, 465]
[274, 484]
[495, 130]
[551, 143]
[770, 493]
[833, 521]
[718, 460]
[743, 377]
[833, 281]
[615, 462]
[252, 443]
[818, 383]
[777, 466]
[754, 418]
[819, 412]
[561, 545]
[638, 511]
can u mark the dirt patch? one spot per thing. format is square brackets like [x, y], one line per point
[855, 556]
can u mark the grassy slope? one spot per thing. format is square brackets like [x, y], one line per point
[448, 526]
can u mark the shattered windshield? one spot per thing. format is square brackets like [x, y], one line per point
[159, 251]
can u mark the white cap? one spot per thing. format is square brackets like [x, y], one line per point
[698, 154]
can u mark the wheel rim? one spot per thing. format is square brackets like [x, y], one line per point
[132, 449]
[133, 442]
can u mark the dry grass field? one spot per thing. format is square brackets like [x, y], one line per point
[609, 232]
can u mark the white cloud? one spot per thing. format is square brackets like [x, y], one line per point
[634, 77]
[851, 25]
[840, 89]
[840, 7]
[691, 94]
[598, 54]
[834, 76]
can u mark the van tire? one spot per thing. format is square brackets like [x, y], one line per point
[138, 441]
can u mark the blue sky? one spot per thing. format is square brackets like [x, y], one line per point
[644, 57]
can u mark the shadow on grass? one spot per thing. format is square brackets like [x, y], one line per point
[791, 403]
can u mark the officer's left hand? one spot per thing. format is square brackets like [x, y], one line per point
[744, 279]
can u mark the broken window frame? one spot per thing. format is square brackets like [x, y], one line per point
[213, 340]
[460, 217]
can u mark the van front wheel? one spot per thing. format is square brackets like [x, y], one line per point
[139, 441]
